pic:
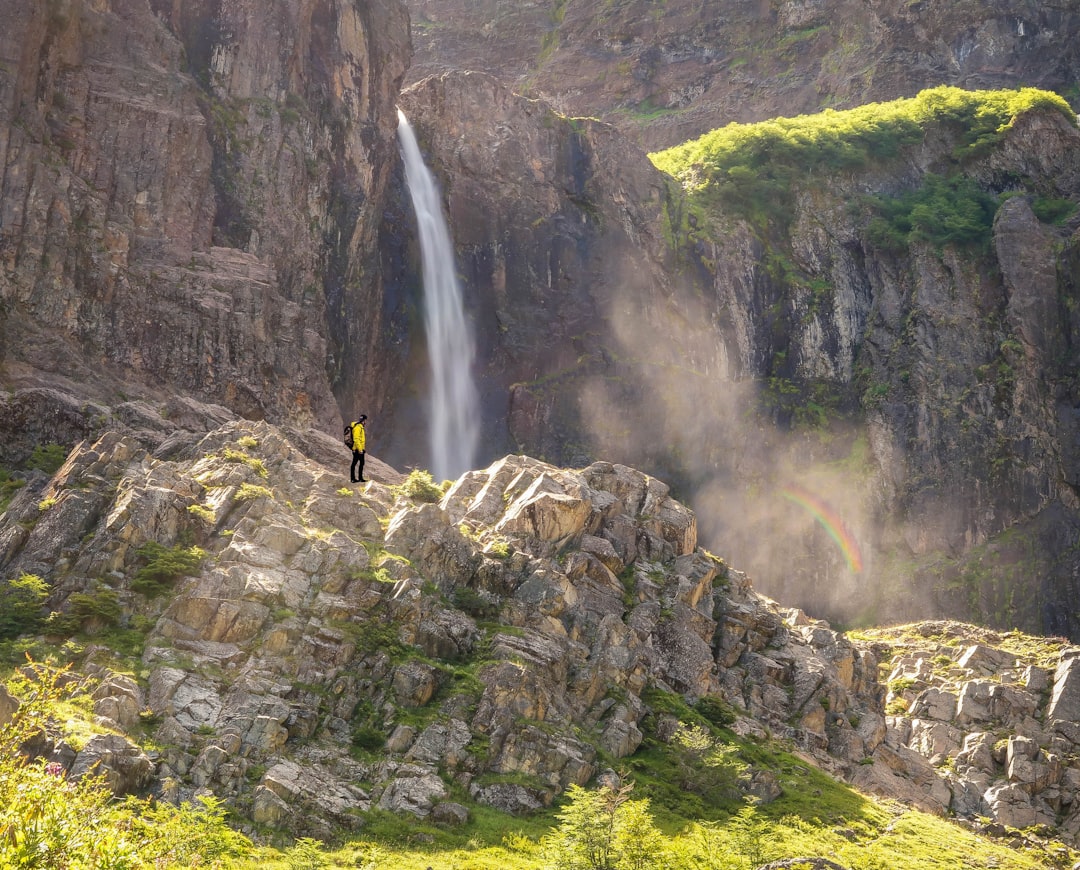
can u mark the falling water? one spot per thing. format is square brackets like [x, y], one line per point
[454, 405]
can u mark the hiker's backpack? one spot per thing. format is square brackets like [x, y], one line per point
[348, 435]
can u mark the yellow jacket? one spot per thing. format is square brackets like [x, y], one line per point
[359, 437]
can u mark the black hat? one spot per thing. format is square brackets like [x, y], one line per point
[361, 418]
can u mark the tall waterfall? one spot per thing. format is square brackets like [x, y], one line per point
[454, 403]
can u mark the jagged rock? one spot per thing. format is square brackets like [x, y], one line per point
[126, 768]
[510, 798]
[544, 514]
[120, 699]
[441, 744]
[413, 790]
[310, 786]
[414, 683]
[1065, 703]
[764, 785]
[401, 738]
[977, 751]
[985, 661]
[1011, 805]
[934, 703]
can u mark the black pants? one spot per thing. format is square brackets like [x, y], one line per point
[357, 459]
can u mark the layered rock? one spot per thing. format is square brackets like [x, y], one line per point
[190, 197]
[341, 649]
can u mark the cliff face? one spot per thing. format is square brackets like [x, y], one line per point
[560, 230]
[190, 199]
[922, 391]
[667, 73]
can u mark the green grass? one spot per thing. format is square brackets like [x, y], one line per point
[751, 169]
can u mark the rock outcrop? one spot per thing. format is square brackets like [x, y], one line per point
[339, 649]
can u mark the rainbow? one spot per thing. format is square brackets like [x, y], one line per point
[830, 521]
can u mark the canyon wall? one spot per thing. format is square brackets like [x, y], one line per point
[191, 196]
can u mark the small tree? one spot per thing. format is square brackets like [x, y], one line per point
[604, 830]
[21, 600]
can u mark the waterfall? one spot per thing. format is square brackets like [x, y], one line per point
[454, 402]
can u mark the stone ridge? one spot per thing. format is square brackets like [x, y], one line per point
[345, 649]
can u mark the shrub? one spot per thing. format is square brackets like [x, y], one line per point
[604, 830]
[164, 566]
[942, 211]
[47, 457]
[707, 767]
[419, 486]
[252, 462]
[48, 821]
[87, 612]
[252, 491]
[21, 600]
[9, 485]
[306, 854]
[716, 711]
[203, 513]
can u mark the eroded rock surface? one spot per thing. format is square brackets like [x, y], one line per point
[342, 648]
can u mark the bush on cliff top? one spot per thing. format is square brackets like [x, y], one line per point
[751, 167]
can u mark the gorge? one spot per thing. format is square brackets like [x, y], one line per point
[817, 364]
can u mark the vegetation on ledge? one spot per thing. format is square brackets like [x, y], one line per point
[751, 168]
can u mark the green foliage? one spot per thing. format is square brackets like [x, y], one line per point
[753, 168]
[164, 566]
[47, 821]
[47, 457]
[942, 211]
[1053, 211]
[306, 854]
[252, 491]
[21, 600]
[707, 766]
[86, 612]
[475, 603]
[715, 711]
[603, 830]
[9, 485]
[252, 462]
[203, 513]
[419, 486]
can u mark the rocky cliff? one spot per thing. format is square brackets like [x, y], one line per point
[746, 349]
[665, 73]
[190, 200]
[409, 649]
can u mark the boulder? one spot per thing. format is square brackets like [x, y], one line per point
[416, 794]
[126, 768]
[510, 798]
[1065, 701]
[450, 814]
[1010, 805]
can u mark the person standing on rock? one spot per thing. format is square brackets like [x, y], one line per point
[359, 445]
